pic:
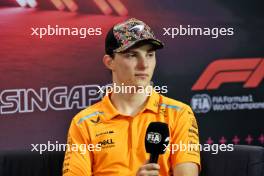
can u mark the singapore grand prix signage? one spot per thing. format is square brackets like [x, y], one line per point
[56, 98]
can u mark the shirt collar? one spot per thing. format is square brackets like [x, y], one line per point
[153, 102]
[109, 110]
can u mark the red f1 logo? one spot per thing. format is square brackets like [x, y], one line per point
[250, 71]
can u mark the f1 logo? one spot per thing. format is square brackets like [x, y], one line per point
[250, 71]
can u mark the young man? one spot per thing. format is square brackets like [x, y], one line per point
[119, 121]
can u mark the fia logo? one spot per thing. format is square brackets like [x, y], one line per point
[201, 103]
[153, 137]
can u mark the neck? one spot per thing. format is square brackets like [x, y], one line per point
[129, 104]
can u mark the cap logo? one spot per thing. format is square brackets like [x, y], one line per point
[128, 33]
[138, 27]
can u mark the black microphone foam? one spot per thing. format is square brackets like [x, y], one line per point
[156, 140]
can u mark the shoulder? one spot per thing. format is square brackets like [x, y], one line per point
[91, 113]
[179, 113]
[174, 104]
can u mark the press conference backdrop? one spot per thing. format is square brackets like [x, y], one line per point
[213, 60]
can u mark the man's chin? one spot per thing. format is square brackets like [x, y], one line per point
[141, 84]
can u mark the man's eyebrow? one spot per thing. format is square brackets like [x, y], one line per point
[151, 49]
[132, 51]
[135, 51]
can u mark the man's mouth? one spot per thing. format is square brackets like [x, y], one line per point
[141, 75]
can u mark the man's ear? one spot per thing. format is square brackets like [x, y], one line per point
[108, 62]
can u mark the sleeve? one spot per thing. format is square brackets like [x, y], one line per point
[185, 145]
[78, 159]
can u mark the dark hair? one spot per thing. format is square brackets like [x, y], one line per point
[112, 55]
[110, 42]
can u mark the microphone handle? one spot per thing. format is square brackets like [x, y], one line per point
[154, 158]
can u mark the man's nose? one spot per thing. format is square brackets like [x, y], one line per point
[142, 62]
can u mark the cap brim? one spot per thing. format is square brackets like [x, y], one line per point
[156, 44]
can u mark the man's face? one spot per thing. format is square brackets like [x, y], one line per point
[134, 67]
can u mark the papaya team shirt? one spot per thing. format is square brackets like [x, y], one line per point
[122, 138]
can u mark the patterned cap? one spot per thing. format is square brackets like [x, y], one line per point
[128, 33]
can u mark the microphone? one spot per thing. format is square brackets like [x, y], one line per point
[156, 140]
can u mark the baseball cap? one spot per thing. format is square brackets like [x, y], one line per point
[124, 35]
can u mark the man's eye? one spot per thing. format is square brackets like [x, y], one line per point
[131, 55]
[151, 54]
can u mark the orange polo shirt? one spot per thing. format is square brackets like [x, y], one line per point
[121, 138]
